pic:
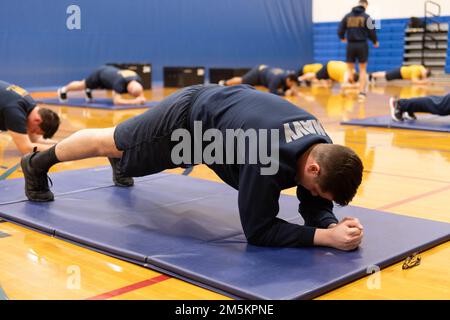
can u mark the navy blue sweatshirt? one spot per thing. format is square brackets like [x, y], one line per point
[15, 106]
[116, 79]
[243, 107]
[275, 79]
[356, 26]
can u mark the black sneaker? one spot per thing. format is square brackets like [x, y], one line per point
[396, 114]
[362, 96]
[36, 181]
[409, 115]
[119, 179]
[88, 95]
[62, 95]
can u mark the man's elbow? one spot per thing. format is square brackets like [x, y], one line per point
[256, 241]
[259, 239]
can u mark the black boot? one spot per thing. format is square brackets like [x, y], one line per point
[36, 181]
[119, 179]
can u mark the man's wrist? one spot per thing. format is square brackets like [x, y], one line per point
[321, 237]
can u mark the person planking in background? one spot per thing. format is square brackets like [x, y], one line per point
[405, 109]
[417, 74]
[307, 69]
[110, 78]
[331, 72]
[278, 81]
[28, 124]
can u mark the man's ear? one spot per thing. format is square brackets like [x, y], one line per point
[314, 169]
[37, 118]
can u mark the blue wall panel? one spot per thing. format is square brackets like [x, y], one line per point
[37, 49]
[389, 55]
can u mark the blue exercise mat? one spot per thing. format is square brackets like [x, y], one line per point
[97, 103]
[428, 123]
[190, 228]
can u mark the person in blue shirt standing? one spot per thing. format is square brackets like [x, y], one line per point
[355, 29]
[279, 81]
[240, 118]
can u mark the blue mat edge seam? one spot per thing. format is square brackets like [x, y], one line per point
[114, 107]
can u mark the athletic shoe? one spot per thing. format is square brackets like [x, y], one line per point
[88, 95]
[409, 115]
[62, 96]
[362, 96]
[119, 179]
[222, 83]
[396, 114]
[371, 79]
[36, 181]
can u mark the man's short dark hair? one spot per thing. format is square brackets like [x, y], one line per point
[340, 171]
[50, 122]
[292, 77]
[364, 2]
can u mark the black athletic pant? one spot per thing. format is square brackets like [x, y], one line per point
[433, 104]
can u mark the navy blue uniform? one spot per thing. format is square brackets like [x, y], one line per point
[15, 106]
[439, 105]
[111, 78]
[394, 74]
[272, 78]
[146, 142]
[357, 27]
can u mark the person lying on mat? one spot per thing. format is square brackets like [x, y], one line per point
[278, 81]
[110, 78]
[417, 74]
[333, 71]
[302, 156]
[308, 68]
[28, 125]
[405, 109]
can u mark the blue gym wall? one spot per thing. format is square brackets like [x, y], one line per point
[391, 35]
[37, 49]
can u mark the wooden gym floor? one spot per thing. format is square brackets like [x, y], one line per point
[406, 172]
